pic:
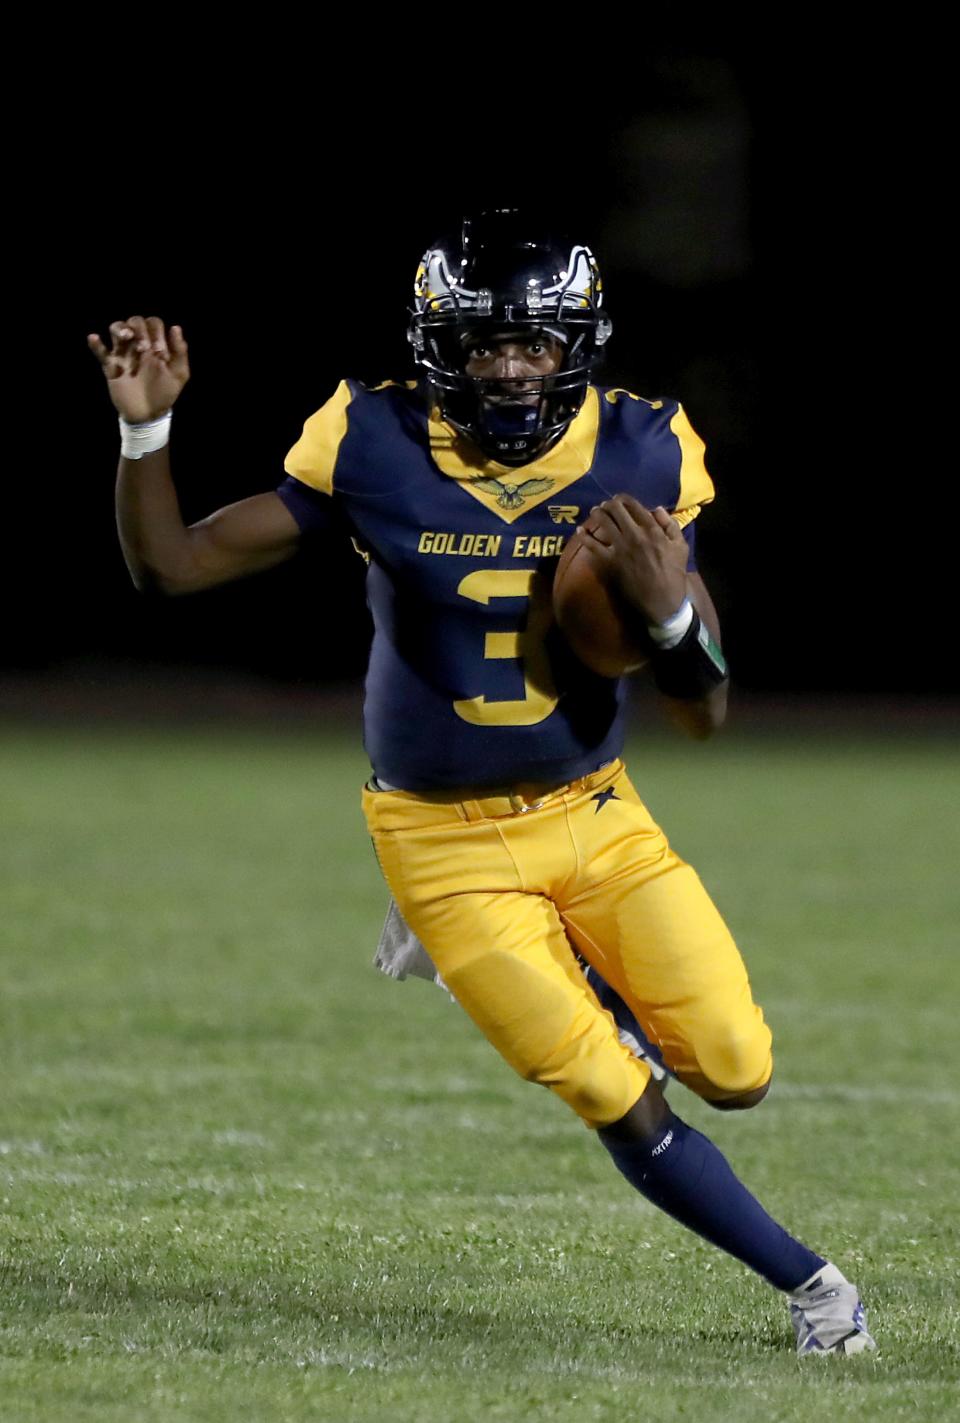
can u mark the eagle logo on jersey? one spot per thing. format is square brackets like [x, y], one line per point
[511, 496]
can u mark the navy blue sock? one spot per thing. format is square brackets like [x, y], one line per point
[684, 1174]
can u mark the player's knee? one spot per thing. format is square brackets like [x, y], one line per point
[734, 1073]
[600, 1089]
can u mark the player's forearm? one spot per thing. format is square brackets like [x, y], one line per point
[700, 716]
[155, 542]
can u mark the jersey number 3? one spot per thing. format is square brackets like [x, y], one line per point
[540, 693]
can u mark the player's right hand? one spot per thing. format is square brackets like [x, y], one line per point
[145, 366]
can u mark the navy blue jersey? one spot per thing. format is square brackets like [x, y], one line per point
[470, 683]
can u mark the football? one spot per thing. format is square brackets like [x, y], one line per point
[591, 614]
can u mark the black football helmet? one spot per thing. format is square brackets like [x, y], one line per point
[500, 277]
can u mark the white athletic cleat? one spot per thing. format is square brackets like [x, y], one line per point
[828, 1315]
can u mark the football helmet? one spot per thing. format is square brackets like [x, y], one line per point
[503, 277]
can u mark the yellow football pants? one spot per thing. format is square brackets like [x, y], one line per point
[498, 889]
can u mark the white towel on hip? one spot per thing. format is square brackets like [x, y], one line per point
[400, 952]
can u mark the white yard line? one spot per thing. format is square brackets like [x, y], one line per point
[854, 1092]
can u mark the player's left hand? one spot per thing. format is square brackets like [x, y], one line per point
[644, 551]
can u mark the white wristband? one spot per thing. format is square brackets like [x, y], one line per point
[674, 629]
[139, 440]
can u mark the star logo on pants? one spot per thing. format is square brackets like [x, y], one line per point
[602, 797]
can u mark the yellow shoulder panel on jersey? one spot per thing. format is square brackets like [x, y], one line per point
[696, 486]
[313, 458]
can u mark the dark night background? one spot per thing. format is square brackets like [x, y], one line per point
[757, 234]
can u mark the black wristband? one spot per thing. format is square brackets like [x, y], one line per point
[693, 668]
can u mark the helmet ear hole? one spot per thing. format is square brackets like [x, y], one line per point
[604, 331]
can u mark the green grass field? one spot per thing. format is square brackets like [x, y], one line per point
[242, 1176]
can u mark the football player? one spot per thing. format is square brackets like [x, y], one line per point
[504, 821]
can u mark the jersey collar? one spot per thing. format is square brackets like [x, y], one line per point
[510, 491]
